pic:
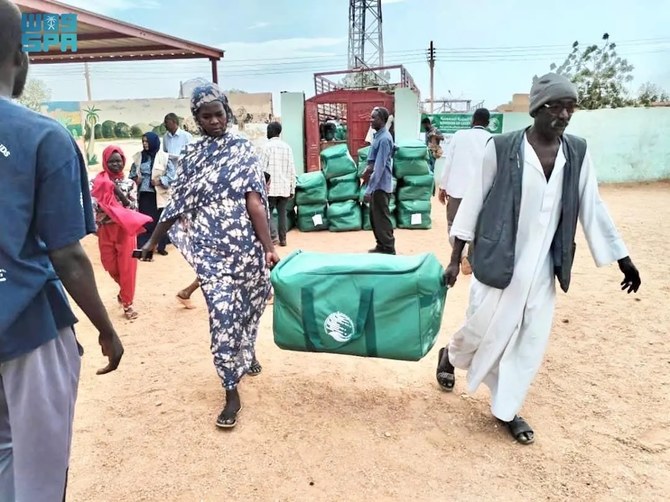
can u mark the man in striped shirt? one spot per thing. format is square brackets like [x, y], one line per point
[277, 160]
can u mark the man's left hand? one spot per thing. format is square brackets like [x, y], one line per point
[631, 276]
[155, 183]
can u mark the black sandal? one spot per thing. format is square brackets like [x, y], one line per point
[520, 430]
[445, 378]
[255, 368]
[227, 419]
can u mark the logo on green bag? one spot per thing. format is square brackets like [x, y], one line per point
[339, 327]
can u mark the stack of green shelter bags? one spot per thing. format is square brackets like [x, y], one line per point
[415, 185]
[311, 199]
[343, 187]
[362, 166]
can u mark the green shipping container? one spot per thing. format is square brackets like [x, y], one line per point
[342, 304]
[312, 218]
[311, 188]
[336, 161]
[344, 216]
[414, 214]
[343, 188]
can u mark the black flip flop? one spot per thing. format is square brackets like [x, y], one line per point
[445, 379]
[518, 426]
[255, 369]
[228, 420]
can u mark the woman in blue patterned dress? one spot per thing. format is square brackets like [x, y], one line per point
[217, 217]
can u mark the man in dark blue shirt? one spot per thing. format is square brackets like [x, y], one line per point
[379, 180]
[45, 209]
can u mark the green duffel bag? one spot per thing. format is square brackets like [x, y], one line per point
[410, 167]
[416, 187]
[414, 214]
[343, 304]
[411, 150]
[337, 161]
[311, 188]
[344, 216]
[363, 154]
[343, 188]
[312, 218]
[365, 210]
[362, 167]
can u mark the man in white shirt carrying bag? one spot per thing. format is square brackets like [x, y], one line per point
[464, 158]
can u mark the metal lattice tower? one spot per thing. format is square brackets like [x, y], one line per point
[366, 45]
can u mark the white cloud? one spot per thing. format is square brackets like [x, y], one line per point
[282, 48]
[259, 25]
[110, 6]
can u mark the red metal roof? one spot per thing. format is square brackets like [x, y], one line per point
[101, 38]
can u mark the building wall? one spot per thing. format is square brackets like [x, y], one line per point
[122, 122]
[626, 144]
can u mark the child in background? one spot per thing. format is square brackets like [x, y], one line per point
[115, 204]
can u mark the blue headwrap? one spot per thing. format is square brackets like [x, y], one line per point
[209, 93]
[154, 145]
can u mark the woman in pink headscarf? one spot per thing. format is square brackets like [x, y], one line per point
[119, 223]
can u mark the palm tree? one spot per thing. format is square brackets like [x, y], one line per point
[91, 120]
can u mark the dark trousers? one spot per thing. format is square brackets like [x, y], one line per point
[380, 221]
[278, 230]
[147, 205]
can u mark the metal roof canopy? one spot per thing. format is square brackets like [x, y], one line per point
[103, 39]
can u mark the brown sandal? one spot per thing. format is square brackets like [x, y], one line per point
[130, 313]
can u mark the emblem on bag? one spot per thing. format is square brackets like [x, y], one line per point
[339, 327]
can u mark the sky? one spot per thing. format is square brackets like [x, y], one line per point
[487, 50]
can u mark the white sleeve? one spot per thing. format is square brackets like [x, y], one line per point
[465, 221]
[448, 160]
[604, 241]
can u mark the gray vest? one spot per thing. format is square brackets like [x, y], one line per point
[495, 234]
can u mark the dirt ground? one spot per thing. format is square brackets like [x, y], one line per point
[324, 427]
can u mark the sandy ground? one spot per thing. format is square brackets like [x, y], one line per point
[323, 427]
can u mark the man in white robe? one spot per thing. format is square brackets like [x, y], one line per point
[504, 337]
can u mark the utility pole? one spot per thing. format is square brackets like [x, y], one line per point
[431, 65]
[87, 76]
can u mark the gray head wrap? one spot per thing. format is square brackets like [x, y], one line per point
[550, 87]
[209, 93]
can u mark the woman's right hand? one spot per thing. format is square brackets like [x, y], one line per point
[271, 259]
[148, 251]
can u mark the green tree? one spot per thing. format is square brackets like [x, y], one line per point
[600, 74]
[34, 94]
[651, 93]
[364, 79]
[92, 130]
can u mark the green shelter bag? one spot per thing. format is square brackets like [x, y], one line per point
[337, 161]
[311, 188]
[365, 210]
[343, 188]
[410, 167]
[411, 150]
[414, 214]
[344, 216]
[369, 305]
[290, 218]
[416, 187]
[312, 218]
